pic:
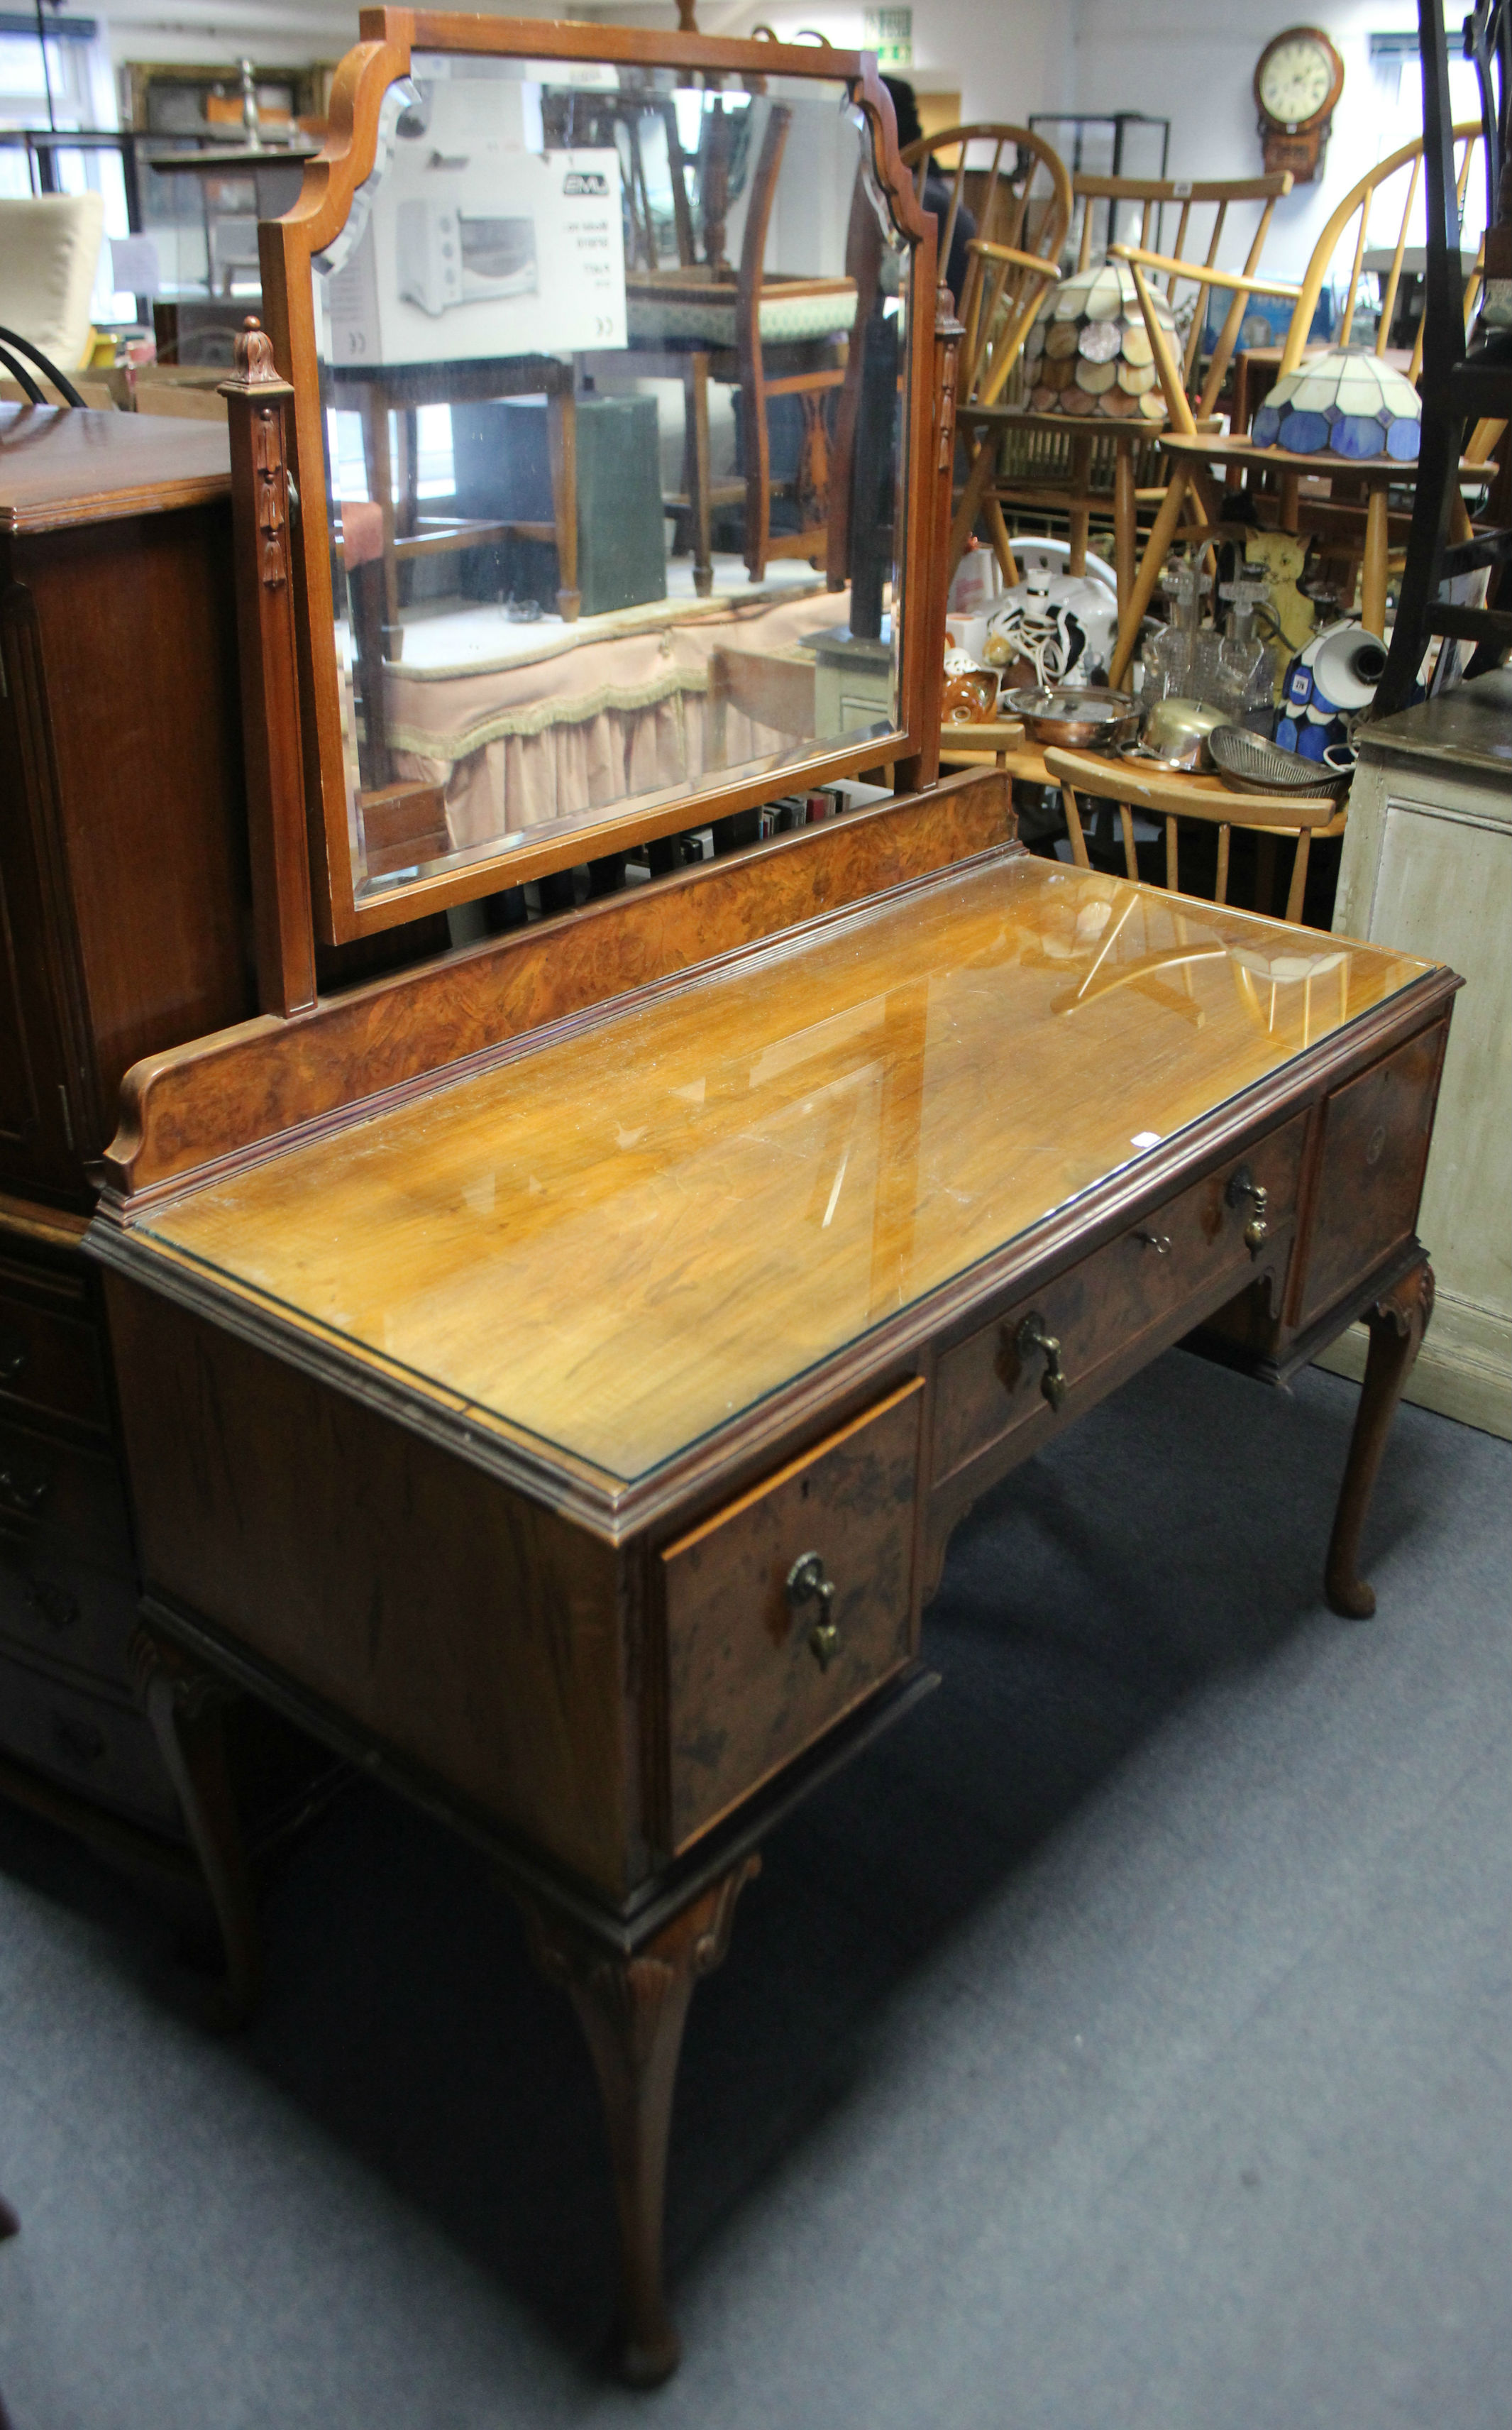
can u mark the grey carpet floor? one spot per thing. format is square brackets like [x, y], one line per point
[1122, 2045]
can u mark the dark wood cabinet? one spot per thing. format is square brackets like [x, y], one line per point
[127, 901]
[125, 930]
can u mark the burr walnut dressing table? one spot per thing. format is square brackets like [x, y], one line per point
[553, 1376]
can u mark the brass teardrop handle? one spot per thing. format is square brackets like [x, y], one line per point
[13, 1354]
[806, 1582]
[1032, 1340]
[22, 1487]
[1241, 1186]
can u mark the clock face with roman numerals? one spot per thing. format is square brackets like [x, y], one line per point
[1299, 77]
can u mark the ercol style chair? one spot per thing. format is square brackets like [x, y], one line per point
[1018, 191]
[699, 319]
[1022, 199]
[1083, 470]
[1171, 795]
[1198, 455]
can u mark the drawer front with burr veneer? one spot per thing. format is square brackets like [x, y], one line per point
[1107, 1315]
[787, 1608]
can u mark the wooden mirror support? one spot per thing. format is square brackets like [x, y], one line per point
[305, 796]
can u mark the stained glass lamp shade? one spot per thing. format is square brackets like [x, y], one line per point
[1090, 352]
[1343, 403]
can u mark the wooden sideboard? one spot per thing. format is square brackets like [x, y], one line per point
[126, 919]
[1428, 862]
[554, 1381]
[124, 907]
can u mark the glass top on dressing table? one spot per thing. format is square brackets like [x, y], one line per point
[617, 1241]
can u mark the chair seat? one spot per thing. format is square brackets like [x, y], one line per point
[663, 312]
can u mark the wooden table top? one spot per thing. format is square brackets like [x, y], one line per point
[616, 1243]
[1141, 426]
[60, 466]
[1222, 447]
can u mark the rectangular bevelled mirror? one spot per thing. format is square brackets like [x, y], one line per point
[607, 362]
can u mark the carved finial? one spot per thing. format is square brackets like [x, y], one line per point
[254, 352]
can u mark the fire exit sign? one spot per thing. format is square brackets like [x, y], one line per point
[889, 33]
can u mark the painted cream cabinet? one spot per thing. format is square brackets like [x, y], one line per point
[1427, 866]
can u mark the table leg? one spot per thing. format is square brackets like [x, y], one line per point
[561, 416]
[632, 2011]
[978, 482]
[1288, 501]
[1002, 544]
[695, 399]
[186, 1705]
[1157, 548]
[1397, 1324]
[1125, 525]
[380, 484]
[1372, 574]
[1080, 517]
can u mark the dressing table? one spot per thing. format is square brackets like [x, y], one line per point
[553, 1374]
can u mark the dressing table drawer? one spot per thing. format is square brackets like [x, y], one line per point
[50, 1356]
[787, 1608]
[104, 1750]
[60, 1499]
[1162, 1276]
[66, 1610]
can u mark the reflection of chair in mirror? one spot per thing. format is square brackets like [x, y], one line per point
[1171, 795]
[389, 405]
[769, 335]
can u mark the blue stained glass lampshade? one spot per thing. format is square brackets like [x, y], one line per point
[1344, 402]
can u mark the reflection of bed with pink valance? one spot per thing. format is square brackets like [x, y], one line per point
[581, 726]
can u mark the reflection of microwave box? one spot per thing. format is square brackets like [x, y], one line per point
[450, 255]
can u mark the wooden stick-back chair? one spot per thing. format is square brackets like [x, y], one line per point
[1018, 193]
[1156, 198]
[1197, 461]
[1057, 463]
[1171, 795]
[1025, 203]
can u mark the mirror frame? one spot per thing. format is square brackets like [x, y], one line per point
[388, 37]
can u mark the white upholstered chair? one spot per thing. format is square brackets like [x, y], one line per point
[49, 252]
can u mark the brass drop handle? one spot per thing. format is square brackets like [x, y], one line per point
[13, 1354]
[22, 1487]
[1032, 1339]
[1159, 1241]
[1243, 1185]
[806, 1582]
[54, 1605]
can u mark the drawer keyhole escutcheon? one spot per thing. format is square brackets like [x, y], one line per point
[1242, 1185]
[1032, 1339]
[806, 1582]
[1159, 1241]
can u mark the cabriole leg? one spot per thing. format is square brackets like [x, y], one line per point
[1397, 1324]
[633, 2010]
[186, 1705]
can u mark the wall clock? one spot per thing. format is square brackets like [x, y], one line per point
[1297, 84]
